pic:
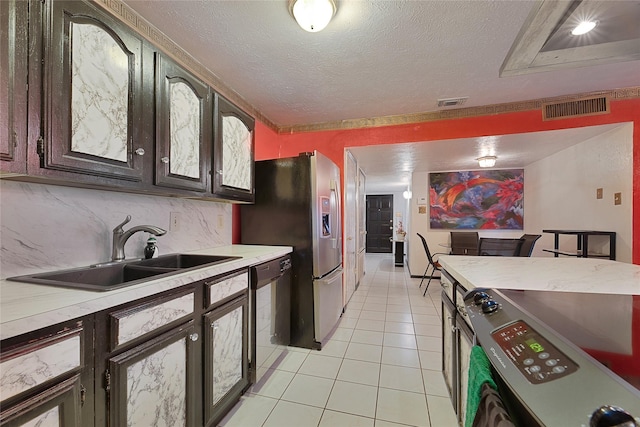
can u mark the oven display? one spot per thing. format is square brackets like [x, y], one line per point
[532, 354]
[534, 345]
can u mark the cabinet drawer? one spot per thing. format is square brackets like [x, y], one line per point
[225, 287]
[39, 361]
[137, 321]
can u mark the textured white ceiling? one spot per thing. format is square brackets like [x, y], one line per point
[376, 58]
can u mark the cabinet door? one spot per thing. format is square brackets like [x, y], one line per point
[233, 156]
[154, 384]
[183, 127]
[56, 407]
[226, 371]
[92, 90]
[449, 351]
[465, 342]
[13, 85]
[44, 379]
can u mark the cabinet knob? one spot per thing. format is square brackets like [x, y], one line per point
[219, 171]
[140, 151]
[194, 337]
[164, 160]
[214, 325]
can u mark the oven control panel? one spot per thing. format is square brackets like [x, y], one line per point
[551, 381]
[537, 359]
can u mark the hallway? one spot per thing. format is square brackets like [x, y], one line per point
[381, 367]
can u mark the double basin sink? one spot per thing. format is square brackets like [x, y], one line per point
[116, 275]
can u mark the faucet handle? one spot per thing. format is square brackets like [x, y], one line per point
[119, 227]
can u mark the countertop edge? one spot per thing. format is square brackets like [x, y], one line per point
[26, 307]
[579, 275]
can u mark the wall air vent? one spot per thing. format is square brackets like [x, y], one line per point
[576, 108]
[452, 102]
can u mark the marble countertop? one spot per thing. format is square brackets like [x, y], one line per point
[26, 307]
[585, 275]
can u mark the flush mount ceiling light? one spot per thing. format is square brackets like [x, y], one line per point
[583, 28]
[406, 194]
[487, 161]
[312, 15]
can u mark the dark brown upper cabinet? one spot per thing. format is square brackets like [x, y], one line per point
[233, 153]
[183, 127]
[14, 16]
[87, 101]
[92, 115]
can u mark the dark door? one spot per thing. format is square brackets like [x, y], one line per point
[379, 223]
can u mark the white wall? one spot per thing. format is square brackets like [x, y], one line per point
[559, 193]
[46, 227]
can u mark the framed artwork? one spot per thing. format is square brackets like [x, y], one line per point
[477, 200]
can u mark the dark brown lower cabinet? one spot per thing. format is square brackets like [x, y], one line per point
[226, 370]
[57, 406]
[178, 358]
[153, 384]
[46, 376]
[457, 341]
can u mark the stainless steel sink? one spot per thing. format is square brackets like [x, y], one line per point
[110, 276]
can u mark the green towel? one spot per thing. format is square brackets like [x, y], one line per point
[479, 373]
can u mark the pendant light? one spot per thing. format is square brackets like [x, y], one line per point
[312, 15]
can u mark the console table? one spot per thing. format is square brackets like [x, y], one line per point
[399, 258]
[582, 245]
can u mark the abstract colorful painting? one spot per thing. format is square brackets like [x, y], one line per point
[480, 200]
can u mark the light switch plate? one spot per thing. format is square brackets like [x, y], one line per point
[174, 221]
[617, 199]
[599, 193]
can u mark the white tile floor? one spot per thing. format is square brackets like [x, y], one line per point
[380, 368]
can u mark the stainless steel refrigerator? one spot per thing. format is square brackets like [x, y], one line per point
[298, 204]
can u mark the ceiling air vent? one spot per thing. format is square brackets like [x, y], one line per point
[452, 102]
[575, 108]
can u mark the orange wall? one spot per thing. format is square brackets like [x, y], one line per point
[332, 143]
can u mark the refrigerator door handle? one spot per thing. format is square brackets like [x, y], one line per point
[337, 237]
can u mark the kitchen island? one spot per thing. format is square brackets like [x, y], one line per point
[596, 302]
[544, 274]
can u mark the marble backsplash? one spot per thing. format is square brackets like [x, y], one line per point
[48, 227]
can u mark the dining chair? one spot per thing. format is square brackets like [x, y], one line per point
[430, 263]
[529, 240]
[499, 247]
[464, 243]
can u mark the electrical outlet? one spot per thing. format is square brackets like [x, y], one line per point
[220, 221]
[599, 193]
[174, 221]
[617, 199]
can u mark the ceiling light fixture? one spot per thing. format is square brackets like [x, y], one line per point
[487, 161]
[583, 28]
[406, 194]
[312, 15]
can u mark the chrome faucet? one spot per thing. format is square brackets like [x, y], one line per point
[120, 237]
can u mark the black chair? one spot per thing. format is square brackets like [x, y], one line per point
[499, 247]
[464, 243]
[431, 263]
[529, 240]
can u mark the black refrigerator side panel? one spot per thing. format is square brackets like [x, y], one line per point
[281, 215]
